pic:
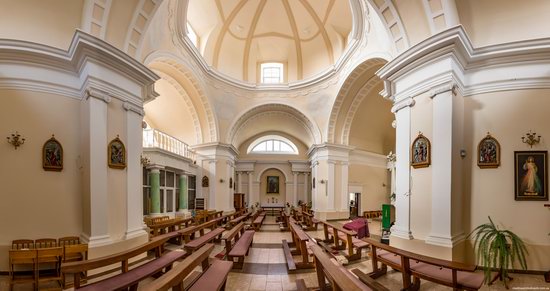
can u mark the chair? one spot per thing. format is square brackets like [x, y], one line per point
[68, 240]
[20, 244]
[74, 253]
[22, 258]
[50, 258]
[45, 243]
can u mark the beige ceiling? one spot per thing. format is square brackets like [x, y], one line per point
[235, 36]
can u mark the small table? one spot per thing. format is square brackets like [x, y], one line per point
[273, 207]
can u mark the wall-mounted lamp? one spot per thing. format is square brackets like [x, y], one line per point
[463, 153]
[222, 180]
[531, 138]
[323, 181]
[16, 140]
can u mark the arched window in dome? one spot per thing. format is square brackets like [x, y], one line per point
[192, 35]
[273, 144]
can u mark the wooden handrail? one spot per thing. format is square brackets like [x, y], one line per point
[340, 228]
[421, 258]
[178, 273]
[302, 235]
[342, 280]
[121, 257]
[229, 235]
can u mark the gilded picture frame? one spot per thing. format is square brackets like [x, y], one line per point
[205, 182]
[530, 175]
[116, 155]
[52, 155]
[272, 185]
[488, 153]
[420, 152]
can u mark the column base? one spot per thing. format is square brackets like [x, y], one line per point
[401, 233]
[445, 241]
[331, 214]
[97, 241]
[134, 233]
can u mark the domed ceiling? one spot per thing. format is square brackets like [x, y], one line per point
[237, 36]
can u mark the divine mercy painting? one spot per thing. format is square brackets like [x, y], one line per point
[530, 175]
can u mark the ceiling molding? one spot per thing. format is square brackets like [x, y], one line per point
[248, 43]
[95, 15]
[138, 26]
[225, 27]
[321, 26]
[297, 44]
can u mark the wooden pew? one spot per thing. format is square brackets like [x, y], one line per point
[257, 220]
[237, 220]
[127, 278]
[456, 275]
[283, 223]
[182, 277]
[166, 226]
[339, 277]
[309, 222]
[241, 245]
[204, 238]
[345, 239]
[300, 239]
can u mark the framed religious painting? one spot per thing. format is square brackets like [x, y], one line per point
[531, 175]
[272, 185]
[52, 155]
[117, 154]
[488, 153]
[420, 152]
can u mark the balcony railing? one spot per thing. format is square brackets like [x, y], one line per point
[153, 138]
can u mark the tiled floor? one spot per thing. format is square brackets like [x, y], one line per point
[265, 267]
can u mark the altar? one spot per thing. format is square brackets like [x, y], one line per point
[273, 207]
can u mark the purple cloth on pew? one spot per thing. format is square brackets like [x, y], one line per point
[360, 226]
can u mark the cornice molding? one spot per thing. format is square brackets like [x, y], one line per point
[509, 66]
[88, 62]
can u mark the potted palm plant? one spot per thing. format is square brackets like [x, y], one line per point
[498, 249]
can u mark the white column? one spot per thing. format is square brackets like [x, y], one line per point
[445, 115]
[95, 149]
[330, 185]
[294, 200]
[402, 226]
[250, 182]
[314, 185]
[345, 193]
[134, 191]
[307, 196]
[212, 186]
[239, 182]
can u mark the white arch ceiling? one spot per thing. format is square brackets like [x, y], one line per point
[282, 111]
[347, 90]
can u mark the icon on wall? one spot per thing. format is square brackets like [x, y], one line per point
[488, 152]
[420, 152]
[230, 182]
[117, 154]
[205, 182]
[530, 175]
[52, 155]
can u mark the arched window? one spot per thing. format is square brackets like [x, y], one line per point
[273, 144]
[271, 73]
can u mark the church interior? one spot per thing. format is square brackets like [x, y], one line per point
[275, 144]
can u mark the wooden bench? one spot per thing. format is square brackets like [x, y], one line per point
[257, 220]
[300, 238]
[203, 239]
[309, 222]
[340, 278]
[170, 225]
[237, 220]
[241, 245]
[127, 278]
[456, 275]
[344, 239]
[283, 223]
[182, 277]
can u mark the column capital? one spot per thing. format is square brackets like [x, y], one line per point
[449, 86]
[129, 107]
[404, 103]
[98, 94]
[155, 168]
